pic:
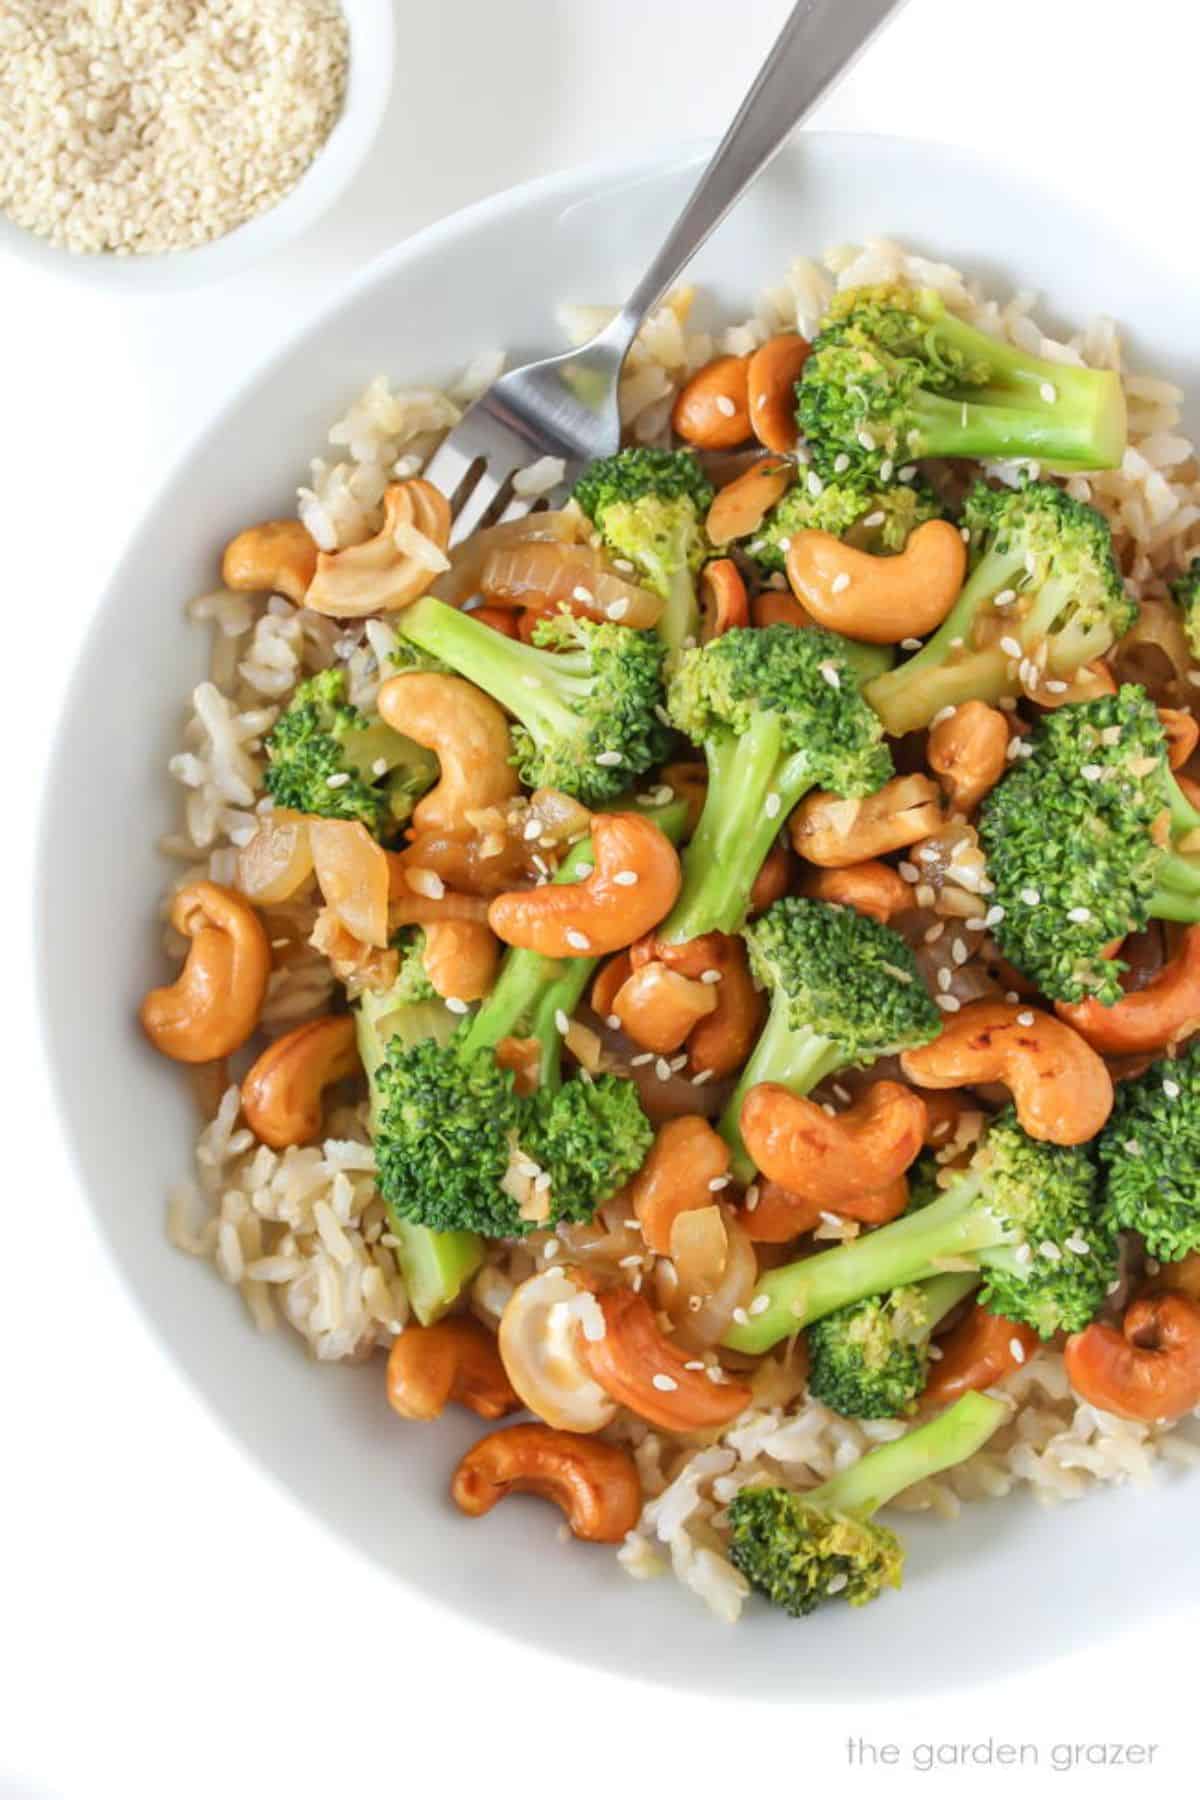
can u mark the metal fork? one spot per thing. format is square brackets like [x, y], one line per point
[537, 410]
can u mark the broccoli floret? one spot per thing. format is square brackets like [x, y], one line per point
[1150, 1151]
[412, 986]
[649, 507]
[844, 991]
[894, 376]
[1185, 590]
[584, 694]
[1043, 585]
[1074, 837]
[777, 711]
[871, 517]
[328, 758]
[1026, 1213]
[802, 1549]
[871, 1360]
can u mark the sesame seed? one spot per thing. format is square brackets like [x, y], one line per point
[1057, 687]
[841, 1093]
[948, 1003]
[910, 872]
[725, 406]
[640, 1061]
[924, 895]
[1010, 646]
[714, 1371]
[935, 932]
[1079, 915]
[698, 1367]
[1005, 597]
[841, 463]
[1016, 1350]
[701, 1077]
[840, 583]
[1078, 1244]
[887, 469]
[829, 673]
[907, 473]
[759, 1305]
[740, 1316]
[1171, 1089]
[1025, 1018]
[678, 1062]
[1049, 392]
[1030, 896]
[532, 831]
[584, 869]
[613, 1022]
[1091, 771]
[662, 1069]
[1050, 1251]
[561, 1022]
[618, 608]
[874, 519]
[583, 594]
[626, 878]
[910, 643]
[455, 1005]
[710, 977]
[944, 978]
[964, 533]
[1023, 1253]
[993, 916]
[609, 759]
[1132, 1147]
[379, 766]
[814, 484]
[837, 1582]
[773, 806]
[718, 1182]
[551, 1249]
[959, 952]
[337, 781]
[939, 718]
[578, 940]
[1113, 1287]
[623, 563]
[866, 440]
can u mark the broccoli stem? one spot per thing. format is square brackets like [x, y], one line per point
[876, 1478]
[537, 686]
[1177, 882]
[797, 1059]
[679, 622]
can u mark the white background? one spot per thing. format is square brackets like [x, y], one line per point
[169, 1624]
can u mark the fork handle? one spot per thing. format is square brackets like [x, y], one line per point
[819, 42]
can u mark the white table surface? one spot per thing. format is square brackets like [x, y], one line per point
[170, 1625]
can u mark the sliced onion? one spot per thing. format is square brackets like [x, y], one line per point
[460, 582]
[699, 1248]
[1154, 652]
[352, 871]
[706, 1324]
[541, 575]
[278, 860]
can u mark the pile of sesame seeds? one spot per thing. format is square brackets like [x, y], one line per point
[142, 126]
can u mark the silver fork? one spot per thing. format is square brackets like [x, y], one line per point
[537, 410]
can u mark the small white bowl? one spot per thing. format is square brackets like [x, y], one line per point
[368, 87]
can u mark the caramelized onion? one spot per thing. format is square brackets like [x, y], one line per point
[460, 582]
[706, 1323]
[699, 1248]
[1154, 652]
[278, 860]
[541, 575]
[352, 872]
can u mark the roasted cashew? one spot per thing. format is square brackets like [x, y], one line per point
[657, 1007]
[213, 1006]
[721, 1043]
[1149, 1369]
[1163, 1013]
[835, 1159]
[282, 1094]
[740, 507]
[595, 1484]
[455, 1360]
[723, 602]
[645, 1371]
[1181, 732]
[541, 1347]
[873, 888]
[503, 619]
[976, 1353]
[276, 558]
[778, 1215]
[394, 567]
[968, 752]
[771, 377]
[469, 735]
[712, 410]
[773, 879]
[460, 958]
[835, 832]
[608, 984]
[686, 1157]
[1062, 1091]
[772, 606]
[608, 910]
[879, 599]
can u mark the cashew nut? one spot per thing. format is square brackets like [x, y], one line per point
[1163, 1013]
[469, 735]
[608, 984]
[835, 832]
[873, 888]
[712, 410]
[276, 558]
[773, 879]
[1149, 1369]
[778, 1215]
[1181, 732]
[456, 1359]
[1062, 1091]
[214, 1005]
[834, 1159]
[645, 1371]
[541, 1348]
[501, 618]
[772, 606]
[657, 1007]
[723, 603]
[595, 1484]
[633, 886]
[976, 1353]
[460, 958]
[771, 377]
[740, 507]
[969, 752]
[879, 599]
[686, 1157]
[281, 1095]
[392, 568]
[721, 1043]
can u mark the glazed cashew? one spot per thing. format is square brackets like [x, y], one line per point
[836, 832]
[740, 507]
[1149, 1369]
[455, 1360]
[394, 567]
[1062, 1091]
[834, 1159]
[469, 735]
[608, 984]
[1181, 732]
[686, 1157]
[645, 1371]
[879, 599]
[774, 607]
[976, 1353]
[213, 1006]
[503, 619]
[968, 752]
[460, 958]
[721, 1043]
[1182, 1277]
[771, 377]
[712, 410]
[773, 879]
[778, 1215]
[276, 558]
[607, 911]
[658, 1007]
[1163, 1013]
[282, 1094]
[873, 888]
[723, 603]
[595, 1484]
[541, 1347]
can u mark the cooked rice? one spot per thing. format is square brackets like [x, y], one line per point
[302, 1233]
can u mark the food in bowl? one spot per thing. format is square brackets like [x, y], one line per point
[713, 964]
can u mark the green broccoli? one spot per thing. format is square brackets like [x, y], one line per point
[649, 507]
[871, 1360]
[800, 1549]
[894, 376]
[1043, 580]
[326, 757]
[586, 696]
[1026, 1213]
[869, 516]
[412, 985]
[844, 991]
[777, 711]
[1185, 591]
[1150, 1150]
[1072, 835]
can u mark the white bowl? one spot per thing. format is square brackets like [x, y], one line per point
[368, 86]
[1006, 1585]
